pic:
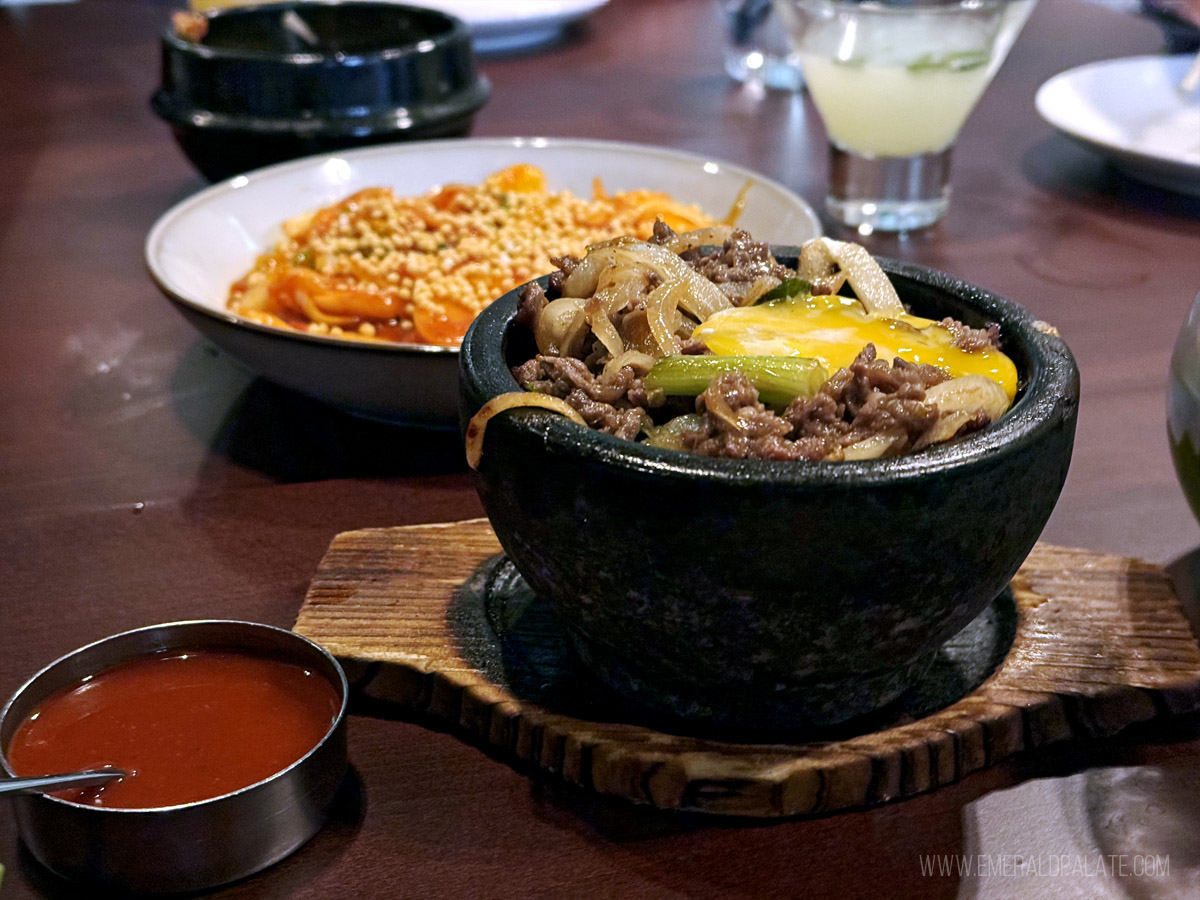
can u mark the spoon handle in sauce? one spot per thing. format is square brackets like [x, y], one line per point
[35, 783]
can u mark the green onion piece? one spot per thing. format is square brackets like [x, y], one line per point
[785, 290]
[779, 379]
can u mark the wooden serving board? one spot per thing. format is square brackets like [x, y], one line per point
[432, 618]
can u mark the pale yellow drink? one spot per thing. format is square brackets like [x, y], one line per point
[892, 110]
[895, 81]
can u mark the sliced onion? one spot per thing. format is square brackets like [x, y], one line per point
[713, 236]
[662, 315]
[970, 393]
[583, 279]
[960, 399]
[622, 287]
[818, 266]
[717, 405]
[561, 327]
[869, 448]
[746, 293]
[868, 280]
[822, 259]
[702, 298]
[617, 289]
[947, 425]
[602, 326]
[670, 434]
[473, 437]
[640, 362]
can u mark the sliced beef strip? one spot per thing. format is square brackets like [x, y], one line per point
[663, 233]
[971, 339]
[624, 423]
[566, 265]
[741, 258]
[869, 397]
[530, 303]
[738, 426]
[614, 403]
[559, 375]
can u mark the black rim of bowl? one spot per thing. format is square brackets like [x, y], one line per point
[450, 32]
[456, 31]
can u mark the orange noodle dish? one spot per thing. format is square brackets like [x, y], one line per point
[418, 270]
[704, 342]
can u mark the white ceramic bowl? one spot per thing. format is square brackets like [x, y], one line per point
[1131, 111]
[198, 248]
[516, 25]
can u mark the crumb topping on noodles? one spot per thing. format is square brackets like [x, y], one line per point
[379, 266]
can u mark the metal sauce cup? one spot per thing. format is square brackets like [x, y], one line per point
[191, 846]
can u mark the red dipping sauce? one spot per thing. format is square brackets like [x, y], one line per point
[189, 725]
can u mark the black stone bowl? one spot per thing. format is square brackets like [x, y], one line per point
[253, 92]
[761, 594]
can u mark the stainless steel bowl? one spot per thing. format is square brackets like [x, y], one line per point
[192, 846]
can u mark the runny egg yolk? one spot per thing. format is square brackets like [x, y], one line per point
[834, 329]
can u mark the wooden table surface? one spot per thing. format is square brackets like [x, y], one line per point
[145, 477]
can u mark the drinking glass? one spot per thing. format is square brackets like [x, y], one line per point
[894, 81]
[757, 51]
[1183, 407]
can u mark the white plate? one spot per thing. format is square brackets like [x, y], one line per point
[501, 26]
[1131, 111]
[199, 247]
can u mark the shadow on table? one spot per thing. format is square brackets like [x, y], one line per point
[1059, 166]
[1145, 811]
[292, 438]
[847, 855]
[1146, 819]
[283, 879]
[1120, 816]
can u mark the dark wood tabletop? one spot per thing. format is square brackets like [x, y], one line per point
[145, 477]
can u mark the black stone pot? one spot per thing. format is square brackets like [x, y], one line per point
[253, 92]
[753, 593]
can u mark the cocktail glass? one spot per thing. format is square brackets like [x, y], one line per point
[894, 81]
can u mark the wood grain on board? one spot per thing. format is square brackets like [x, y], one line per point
[1100, 643]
